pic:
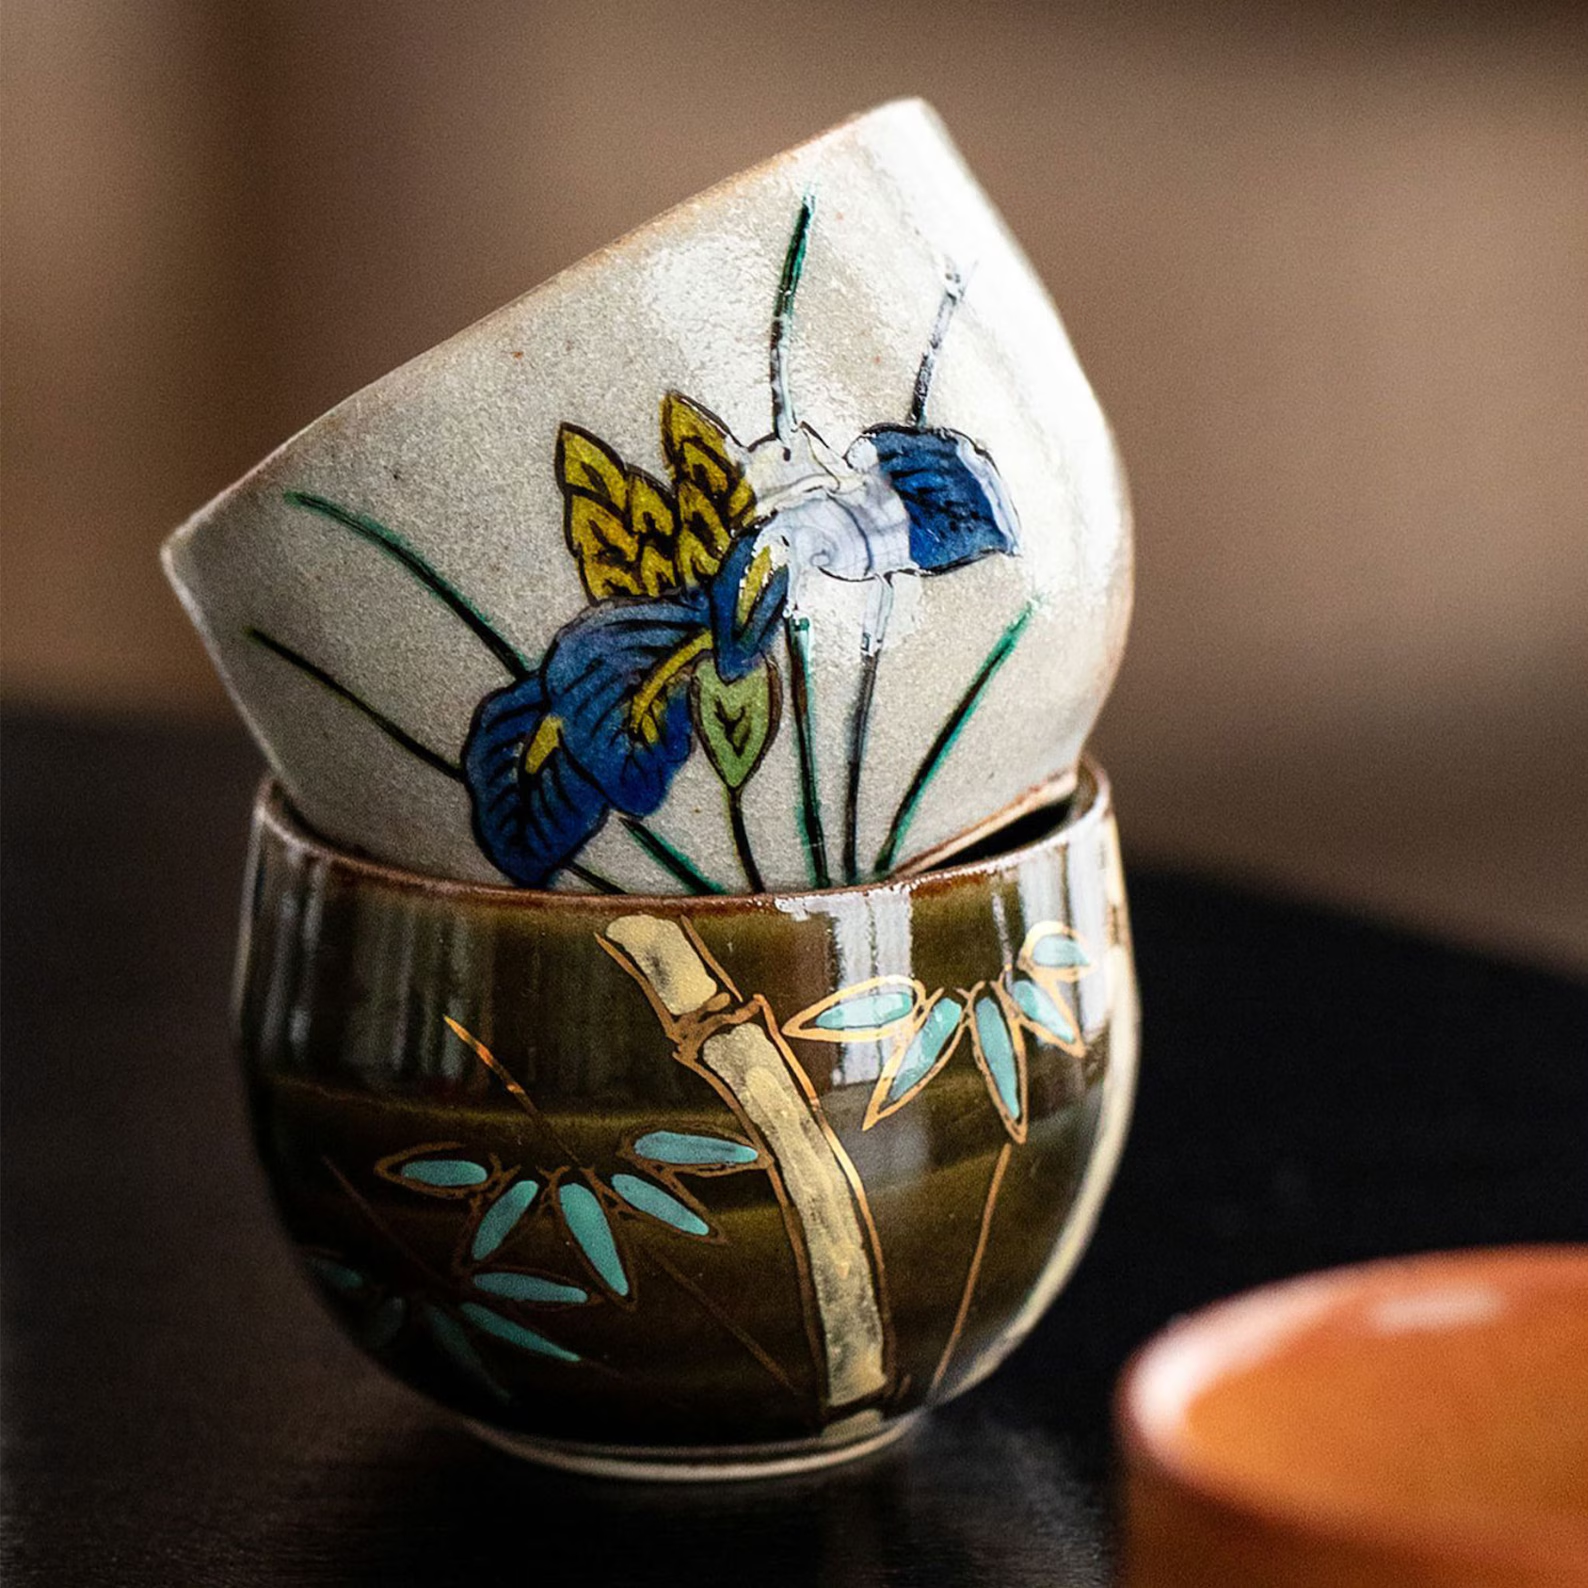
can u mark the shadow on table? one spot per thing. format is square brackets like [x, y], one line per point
[966, 1499]
[1315, 1090]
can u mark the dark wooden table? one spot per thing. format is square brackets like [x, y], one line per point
[176, 1412]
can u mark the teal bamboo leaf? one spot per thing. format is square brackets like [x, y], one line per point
[504, 1329]
[658, 1204]
[586, 1221]
[502, 1217]
[687, 1150]
[513, 1285]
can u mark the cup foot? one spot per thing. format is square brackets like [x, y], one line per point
[844, 1442]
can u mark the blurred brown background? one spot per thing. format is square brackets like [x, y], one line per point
[1327, 268]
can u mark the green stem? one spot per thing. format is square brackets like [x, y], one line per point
[797, 631]
[396, 547]
[741, 840]
[668, 857]
[401, 736]
[593, 879]
[857, 756]
[944, 742]
[783, 421]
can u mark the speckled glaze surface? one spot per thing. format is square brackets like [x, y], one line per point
[669, 1186]
[779, 545]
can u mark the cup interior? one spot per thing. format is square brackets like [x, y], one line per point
[1445, 1392]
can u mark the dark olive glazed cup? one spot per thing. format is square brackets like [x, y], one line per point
[682, 1187]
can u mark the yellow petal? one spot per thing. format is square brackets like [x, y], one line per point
[586, 463]
[657, 573]
[652, 694]
[547, 737]
[603, 578]
[696, 563]
[650, 508]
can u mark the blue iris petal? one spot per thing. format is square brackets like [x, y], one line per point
[597, 674]
[529, 824]
[737, 646]
[605, 722]
[958, 508]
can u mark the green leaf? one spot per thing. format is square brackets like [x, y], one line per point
[736, 722]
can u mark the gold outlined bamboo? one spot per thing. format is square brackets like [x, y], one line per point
[735, 1044]
[988, 1207]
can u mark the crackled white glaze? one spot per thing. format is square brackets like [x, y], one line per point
[455, 454]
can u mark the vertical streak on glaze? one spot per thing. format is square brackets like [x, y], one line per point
[974, 1272]
[1119, 1091]
[857, 760]
[734, 1043]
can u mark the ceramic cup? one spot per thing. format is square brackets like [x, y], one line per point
[683, 1187]
[780, 545]
[1422, 1421]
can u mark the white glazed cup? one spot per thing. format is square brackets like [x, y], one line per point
[782, 543]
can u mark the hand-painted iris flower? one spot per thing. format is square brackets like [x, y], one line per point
[689, 581]
[606, 722]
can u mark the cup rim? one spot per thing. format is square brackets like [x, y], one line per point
[1202, 1347]
[1091, 807]
[595, 260]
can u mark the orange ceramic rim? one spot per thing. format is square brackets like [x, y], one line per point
[1164, 1377]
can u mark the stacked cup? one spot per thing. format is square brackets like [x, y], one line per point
[776, 554]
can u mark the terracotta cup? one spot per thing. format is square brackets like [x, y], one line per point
[781, 544]
[672, 1187]
[1405, 1424]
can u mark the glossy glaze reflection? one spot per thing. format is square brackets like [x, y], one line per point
[658, 1177]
